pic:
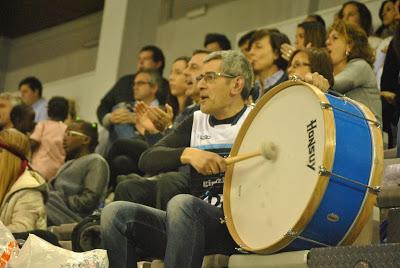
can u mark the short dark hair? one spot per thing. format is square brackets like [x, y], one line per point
[221, 39]
[33, 83]
[89, 129]
[314, 33]
[22, 117]
[365, 15]
[246, 38]
[276, 40]
[156, 80]
[316, 18]
[158, 55]
[57, 108]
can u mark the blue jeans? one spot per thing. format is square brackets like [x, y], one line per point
[183, 235]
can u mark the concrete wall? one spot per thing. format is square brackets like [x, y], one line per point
[55, 53]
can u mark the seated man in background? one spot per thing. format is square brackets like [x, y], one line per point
[150, 57]
[145, 87]
[127, 227]
[7, 102]
[156, 191]
[31, 89]
[123, 132]
[80, 185]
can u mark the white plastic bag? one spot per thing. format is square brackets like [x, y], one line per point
[37, 253]
[8, 246]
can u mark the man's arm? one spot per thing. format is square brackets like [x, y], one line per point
[165, 155]
[121, 91]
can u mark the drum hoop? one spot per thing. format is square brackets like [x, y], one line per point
[375, 177]
[322, 181]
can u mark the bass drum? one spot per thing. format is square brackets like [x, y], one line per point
[320, 189]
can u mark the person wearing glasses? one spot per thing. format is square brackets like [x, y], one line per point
[179, 235]
[80, 185]
[312, 65]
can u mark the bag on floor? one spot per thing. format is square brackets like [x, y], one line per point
[8, 246]
[37, 253]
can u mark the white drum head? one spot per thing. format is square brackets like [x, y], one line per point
[267, 198]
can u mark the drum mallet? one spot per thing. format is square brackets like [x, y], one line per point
[267, 150]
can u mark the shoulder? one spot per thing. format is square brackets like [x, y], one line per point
[360, 66]
[93, 158]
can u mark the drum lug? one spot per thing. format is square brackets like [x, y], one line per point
[222, 220]
[241, 250]
[325, 105]
[294, 78]
[323, 171]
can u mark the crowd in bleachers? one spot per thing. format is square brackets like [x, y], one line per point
[56, 170]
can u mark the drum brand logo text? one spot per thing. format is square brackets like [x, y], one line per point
[311, 144]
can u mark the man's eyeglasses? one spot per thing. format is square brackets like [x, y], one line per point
[212, 76]
[71, 133]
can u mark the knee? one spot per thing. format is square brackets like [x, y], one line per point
[115, 213]
[182, 204]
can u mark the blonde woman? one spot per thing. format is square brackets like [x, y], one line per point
[22, 191]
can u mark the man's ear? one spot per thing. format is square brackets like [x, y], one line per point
[86, 140]
[237, 86]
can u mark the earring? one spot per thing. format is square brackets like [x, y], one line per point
[347, 53]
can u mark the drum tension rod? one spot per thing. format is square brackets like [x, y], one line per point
[325, 105]
[295, 235]
[324, 172]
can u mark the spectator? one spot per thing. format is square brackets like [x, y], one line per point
[31, 89]
[352, 57]
[47, 139]
[308, 34]
[390, 86]
[308, 61]
[244, 43]
[387, 14]
[156, 191]
[150, 57]
[128, 228]
[358, 14]
[22, 191]
[81, 183]
[7, 102]
[316, 18]
[268, 64]
[216, 42]
[23, 118]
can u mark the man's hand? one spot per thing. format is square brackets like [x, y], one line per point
[122, 116]
[206, 163]
[317, 80]
[143, 123]
[161, 119]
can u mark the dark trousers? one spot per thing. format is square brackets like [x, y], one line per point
[154, 191]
